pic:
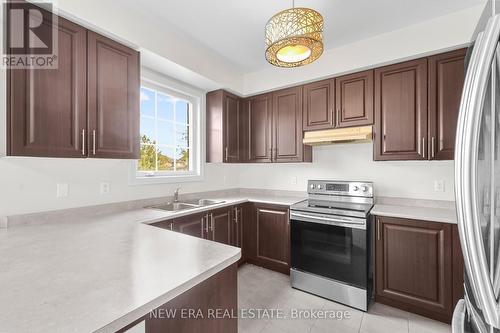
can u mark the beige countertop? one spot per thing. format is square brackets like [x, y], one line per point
[98, 269]
[426, 210]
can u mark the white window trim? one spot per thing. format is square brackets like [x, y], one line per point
[157, 81]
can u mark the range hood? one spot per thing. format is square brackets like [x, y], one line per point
[339, 135]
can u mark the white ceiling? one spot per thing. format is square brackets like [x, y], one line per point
[235, 28]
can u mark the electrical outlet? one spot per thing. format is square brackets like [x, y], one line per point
[105, 188]
[62, 190]
[294, 180]
[439, 186]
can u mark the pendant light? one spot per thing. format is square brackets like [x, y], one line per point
[294, 37]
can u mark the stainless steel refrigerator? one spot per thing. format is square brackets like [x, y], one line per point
[477, 180]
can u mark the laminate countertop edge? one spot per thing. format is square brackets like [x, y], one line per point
[142, 311]
[431, 214]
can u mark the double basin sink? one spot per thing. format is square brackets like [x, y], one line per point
[186, 204]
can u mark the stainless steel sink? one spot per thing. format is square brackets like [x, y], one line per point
[175, 206]
[204, 202]
[187, 204]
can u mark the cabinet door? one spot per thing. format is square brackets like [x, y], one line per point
[113, 99]
[354, 99]
[47, 113]
[220, 226]
[167, 224]
[287, 126]
[193, 225]
[401, 111]
[414, 266]
[231, 125]
[258, 119]
[318, 105]
[458, 267]
[446, 80]
[273, 233]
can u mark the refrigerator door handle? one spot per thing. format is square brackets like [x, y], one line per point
[466, 157]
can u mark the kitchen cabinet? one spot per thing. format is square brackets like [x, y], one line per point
[354, 99]
[458, 267]
[113, 98]
[258, 128]
[87, 107]
[224, 122]
[318, 105]
[269, 237]
[446, 80]
[220, 225]
[401, 111]
[414, 266]
[287, 127]
[193, 225]
[47, 109]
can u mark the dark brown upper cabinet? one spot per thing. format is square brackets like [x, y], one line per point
[47, 108]
[446, 79]
[401, 111]
[87, 107]
[318, 105]
[258, 128]
[113, 99]
[354, 99]
[287, 127]
[223, 127]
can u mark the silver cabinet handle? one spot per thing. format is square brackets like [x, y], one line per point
[226, 153]
[433, 147]
[423, 147]
[212, 226]
[93, 142]
[171, 225]
[466, 169]
[83, 142]
[378, 229]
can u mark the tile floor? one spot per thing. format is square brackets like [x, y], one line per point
[260, 288]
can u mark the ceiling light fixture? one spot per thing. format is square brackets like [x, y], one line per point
[294, 37]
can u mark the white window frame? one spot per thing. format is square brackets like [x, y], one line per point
[196, 98]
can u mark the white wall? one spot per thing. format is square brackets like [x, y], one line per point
[29, 185]
[439, 34]
[408, 179]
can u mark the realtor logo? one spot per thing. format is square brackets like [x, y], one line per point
[30, 35]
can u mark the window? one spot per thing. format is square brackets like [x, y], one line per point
[168, 135]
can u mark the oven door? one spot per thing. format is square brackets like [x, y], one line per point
[335, 247]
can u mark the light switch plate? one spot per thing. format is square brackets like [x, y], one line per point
[62, 190]
[439, 186]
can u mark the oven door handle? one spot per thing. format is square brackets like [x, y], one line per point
[329, 221]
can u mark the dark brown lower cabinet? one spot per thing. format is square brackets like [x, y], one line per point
[414, 268]
[219, 225]
[268, 238]
[193, 225]
[218, 292]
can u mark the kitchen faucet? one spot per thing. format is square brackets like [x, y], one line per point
[176, 194]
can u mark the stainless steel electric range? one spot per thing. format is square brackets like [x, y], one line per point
[330, 242]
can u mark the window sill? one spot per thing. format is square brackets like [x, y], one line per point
[135, 179]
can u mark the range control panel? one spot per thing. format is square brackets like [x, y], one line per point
[357, 189]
